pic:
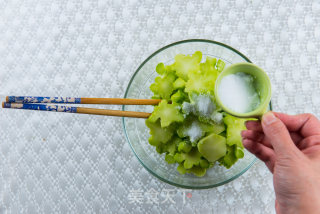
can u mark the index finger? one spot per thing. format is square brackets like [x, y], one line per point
[306, 124]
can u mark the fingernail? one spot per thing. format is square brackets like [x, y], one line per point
[269, 118]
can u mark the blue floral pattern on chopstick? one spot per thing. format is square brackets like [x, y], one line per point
[41, 107]
[30, 99]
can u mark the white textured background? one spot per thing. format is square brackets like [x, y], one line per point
[58, 163]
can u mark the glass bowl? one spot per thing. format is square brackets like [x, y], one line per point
[137, 133]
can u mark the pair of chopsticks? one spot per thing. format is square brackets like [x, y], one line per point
[40, 104]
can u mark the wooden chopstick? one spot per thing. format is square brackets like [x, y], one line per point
[71, 109]
[82, 100]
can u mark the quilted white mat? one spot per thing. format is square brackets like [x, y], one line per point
[59, 163]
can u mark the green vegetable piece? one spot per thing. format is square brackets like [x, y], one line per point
[209, 66]
[185, 64]
[204, 163]
[217, 117]
[212, 147]
[220, 65]
[239, 152]
[179, 157]
[200, 83]
[204, 80]
[171, 146]
[192, 158]
[158, 135]
[178, 97]
[160, 148]
[230, 158]
[163, 86]
[192, 130]
[170, 159]
[179, 84]
[234, 127]
[184, 147]
[170, 68]
[181, 169]
[212, 128]
[168, 113]
[160, 69]
[189, 159]
[197, 171]
[223, 134]
[156, 96]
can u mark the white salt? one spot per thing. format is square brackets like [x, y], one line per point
[204, 105]
[237, 92]
[217, 117]
[194, 132]
[187, 107]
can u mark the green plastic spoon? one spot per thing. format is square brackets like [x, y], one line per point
[261, 83]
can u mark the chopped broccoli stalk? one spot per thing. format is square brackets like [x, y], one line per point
[234, 127]
[186, 64]
[230, 158]
[204, 80]
[158, 134]
[168, 113]
[178, 97]
[179, 157]
[192, 130]
[197, 171]
[160, 149]
[239, 152]
[220, 65]
[212, 147]
[191, 158]
[217, 117]
[203, 106]
[170, 68]
[172, 146]
[181, 169]
[200, 83]
[204, 163]
[163, 86]
[184, 147]
[160, 69]
[212, 128]
[179, 84]
[169, 158]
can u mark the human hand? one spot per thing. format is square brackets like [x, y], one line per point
[290, 148]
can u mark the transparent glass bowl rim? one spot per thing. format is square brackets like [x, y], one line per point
[124, 126]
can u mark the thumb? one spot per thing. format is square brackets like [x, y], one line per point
[278, 134]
